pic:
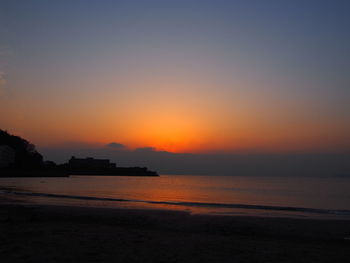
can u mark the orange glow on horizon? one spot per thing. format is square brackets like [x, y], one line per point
[181, 118]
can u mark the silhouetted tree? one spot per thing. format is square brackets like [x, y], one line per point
[26, 156]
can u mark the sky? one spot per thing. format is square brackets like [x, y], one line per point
[185, 77]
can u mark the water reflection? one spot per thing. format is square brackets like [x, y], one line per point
[324, 193]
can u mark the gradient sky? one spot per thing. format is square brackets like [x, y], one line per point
[179, 76]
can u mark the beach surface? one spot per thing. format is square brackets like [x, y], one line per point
[49, 233]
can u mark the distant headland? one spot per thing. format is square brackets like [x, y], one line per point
[19, 158]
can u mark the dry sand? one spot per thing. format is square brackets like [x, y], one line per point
[38, 233]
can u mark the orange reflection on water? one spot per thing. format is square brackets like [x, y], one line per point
[192, 193]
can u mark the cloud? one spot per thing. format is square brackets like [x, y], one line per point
[116, 145]
[146, 149]
[212, 164]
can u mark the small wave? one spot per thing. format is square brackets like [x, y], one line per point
[79, 197]
[191, 204]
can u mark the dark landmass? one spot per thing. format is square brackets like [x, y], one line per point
[20, 153]
[61, 172]
[41, 233]
[118, 171]
[19, 158]
[32, 173]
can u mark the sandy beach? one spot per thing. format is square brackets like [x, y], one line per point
[42, 233]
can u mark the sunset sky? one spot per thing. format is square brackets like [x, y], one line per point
[178, 76]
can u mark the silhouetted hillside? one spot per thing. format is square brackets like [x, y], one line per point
[26, 155]
[18, 157]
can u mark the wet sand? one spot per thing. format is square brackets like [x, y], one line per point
[41, 233]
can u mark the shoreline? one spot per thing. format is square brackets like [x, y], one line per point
[215, 209]
[76, 234]
[193, 208]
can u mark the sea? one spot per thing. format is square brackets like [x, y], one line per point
[277, 196]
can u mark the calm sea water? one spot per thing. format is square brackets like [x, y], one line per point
[231, 195]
